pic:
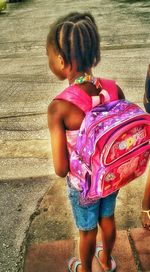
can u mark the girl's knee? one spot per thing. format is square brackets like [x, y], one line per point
[107, 221]
[110, 218]
[92, 232]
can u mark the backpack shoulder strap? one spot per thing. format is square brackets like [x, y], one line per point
[81, 99]
[76, 96]
[111, 87]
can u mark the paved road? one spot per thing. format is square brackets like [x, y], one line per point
[26, 88]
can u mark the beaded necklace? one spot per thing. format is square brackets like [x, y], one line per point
[89, 78]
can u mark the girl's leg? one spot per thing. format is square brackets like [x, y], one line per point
[108, 233]
[86, 218]
[87, 246]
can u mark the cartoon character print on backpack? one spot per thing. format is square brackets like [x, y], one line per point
[127, 169]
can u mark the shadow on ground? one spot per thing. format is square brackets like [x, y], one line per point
[19, 201]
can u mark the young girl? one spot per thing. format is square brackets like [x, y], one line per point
[73, 48]
[145, 215]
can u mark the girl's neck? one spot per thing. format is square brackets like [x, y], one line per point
[74, 75]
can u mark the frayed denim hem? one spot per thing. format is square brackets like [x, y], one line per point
[87, 229]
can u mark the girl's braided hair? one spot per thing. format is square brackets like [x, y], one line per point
[75, 36]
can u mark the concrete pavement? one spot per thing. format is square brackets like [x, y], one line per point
[131, 253]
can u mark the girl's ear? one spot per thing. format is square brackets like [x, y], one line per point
[61, 61]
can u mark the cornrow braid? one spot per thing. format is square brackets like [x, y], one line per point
[95, 52]
[84, 44]
[64, 40]
[75, 36]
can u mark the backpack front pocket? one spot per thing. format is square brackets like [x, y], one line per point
[126, 140]
[125, 170]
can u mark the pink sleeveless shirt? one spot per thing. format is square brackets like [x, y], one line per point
[91, 101]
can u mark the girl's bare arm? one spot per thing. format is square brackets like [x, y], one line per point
[146, 97]
[146, 197]
[58, 139]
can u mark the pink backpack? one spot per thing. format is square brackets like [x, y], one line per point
[112, 147]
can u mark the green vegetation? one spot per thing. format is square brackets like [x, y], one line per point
[2, 5]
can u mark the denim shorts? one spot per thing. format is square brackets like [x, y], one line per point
[86, 217]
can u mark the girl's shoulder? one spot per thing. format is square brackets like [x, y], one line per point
[58, 107]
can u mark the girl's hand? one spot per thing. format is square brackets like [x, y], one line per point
[145, 220]
[145, 216]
